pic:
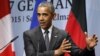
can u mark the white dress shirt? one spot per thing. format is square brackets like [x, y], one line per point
[49, 34]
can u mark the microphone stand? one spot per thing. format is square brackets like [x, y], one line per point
[9, 42]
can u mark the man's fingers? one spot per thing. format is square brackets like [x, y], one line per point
[68, 47]
[94, 36]
[65, 44]
[68, 44]
[86, 34]
[65, 41]
[68, 51]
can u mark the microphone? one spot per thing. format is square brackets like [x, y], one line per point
[14, 39]
[9, 42]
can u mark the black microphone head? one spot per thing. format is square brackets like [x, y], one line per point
[14, 39]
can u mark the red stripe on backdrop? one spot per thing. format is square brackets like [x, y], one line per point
[76, 24]
[4, 11]
[8, 51]
[4, 8]
[75, 31]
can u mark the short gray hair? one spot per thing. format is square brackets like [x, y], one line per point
[47, 4]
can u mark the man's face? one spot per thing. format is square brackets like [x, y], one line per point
[45, 17]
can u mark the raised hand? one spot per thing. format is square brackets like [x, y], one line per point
[65, 46]
[91, 41]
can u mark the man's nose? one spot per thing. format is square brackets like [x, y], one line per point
[41, 17]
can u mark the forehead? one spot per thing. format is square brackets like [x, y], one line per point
[43, 9]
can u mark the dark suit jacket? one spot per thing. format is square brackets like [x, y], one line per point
[35, 44]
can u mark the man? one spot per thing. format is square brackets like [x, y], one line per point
[47, 40]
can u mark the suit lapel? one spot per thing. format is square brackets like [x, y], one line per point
[38, 40]
[54, 38]
[42, 46]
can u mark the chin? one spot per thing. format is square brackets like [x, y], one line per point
[43, 27]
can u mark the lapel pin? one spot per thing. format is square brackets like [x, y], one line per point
[55, 36]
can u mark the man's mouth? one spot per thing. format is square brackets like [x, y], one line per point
[42, 23]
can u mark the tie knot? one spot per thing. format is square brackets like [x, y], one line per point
[46, 31]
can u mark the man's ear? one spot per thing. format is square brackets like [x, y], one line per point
[54, 15]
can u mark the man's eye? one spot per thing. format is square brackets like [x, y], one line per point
[38, 14]
[45, 14]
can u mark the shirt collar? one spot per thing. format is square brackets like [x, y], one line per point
[50, 29]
